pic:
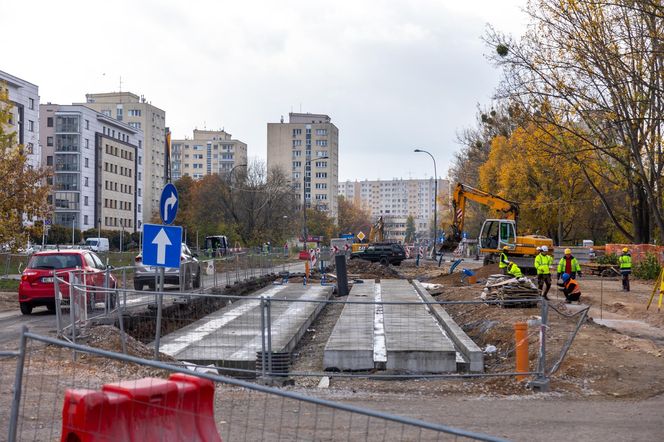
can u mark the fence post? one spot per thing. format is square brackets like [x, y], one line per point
[160, 302]
[72, 306]
[18, 383]
[120, 307]
[58, 306]
[541, 382]
[263, 337]
[106, 292]
[268, 323]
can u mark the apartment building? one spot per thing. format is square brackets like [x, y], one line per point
[97, 166]
[24, 119]
[307, 150]
[208, 152]
[396, 200]
[140, 114]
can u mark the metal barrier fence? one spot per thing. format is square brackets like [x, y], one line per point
[242, 410]
[290, 331]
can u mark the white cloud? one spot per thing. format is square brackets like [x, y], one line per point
[392, 75]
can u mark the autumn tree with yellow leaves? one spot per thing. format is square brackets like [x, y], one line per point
[23, 194]
[594, 71]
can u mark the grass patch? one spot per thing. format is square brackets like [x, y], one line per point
[9, 285]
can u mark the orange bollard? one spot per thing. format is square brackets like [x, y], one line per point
[521, 338]
[306, 268]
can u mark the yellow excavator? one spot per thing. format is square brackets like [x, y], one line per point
[376, 234]
[496, 232]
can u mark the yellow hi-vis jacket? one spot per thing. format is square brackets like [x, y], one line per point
[542, 263]
[503, 260]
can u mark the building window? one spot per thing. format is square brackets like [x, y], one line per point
[87, 124]
[297, 143]
[139, 210]
[106, 112]
[31, 148]
[31, 103]
[297, 132]
[134, 112]
[321, 164]
[49, 141]
[322, 143]
[322, 132]
[135, 125]
[118, 113]
[49, 160]
[87, 162]
[49, 122]
[85, 200]
[85, 219]
[31, 126]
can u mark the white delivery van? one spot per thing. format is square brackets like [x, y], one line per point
[97, 244]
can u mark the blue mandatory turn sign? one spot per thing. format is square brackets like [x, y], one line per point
[162, 245]
[168, 203]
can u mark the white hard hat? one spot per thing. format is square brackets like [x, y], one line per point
[545, 249]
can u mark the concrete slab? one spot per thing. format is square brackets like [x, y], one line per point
[414, 341]
[231, 336]
[470, 351]
[351, 344]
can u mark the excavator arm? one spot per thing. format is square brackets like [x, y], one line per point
[462, 193]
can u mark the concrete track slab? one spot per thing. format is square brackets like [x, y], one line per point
[231, 336]
[351, 344]
[415, 342]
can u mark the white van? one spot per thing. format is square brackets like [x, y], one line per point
[97, 244]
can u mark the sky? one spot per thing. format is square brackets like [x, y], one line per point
[393, 75]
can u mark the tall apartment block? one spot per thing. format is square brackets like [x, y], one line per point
[140, 114]
[208, 152]
[395, 200]
[307, 150]
[97, 166]
[24, 97]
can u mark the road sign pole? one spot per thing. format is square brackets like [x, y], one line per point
[160, 301]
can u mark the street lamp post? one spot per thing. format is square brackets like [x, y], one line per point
[435, 201]
[230, 173]
[307, 165]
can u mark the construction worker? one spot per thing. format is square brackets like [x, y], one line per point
[543, 263]
[568, 264]
[504, 262]
[514, 270]
[625, 261]
[570, 288]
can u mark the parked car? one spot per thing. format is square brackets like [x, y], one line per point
[97, 244]
[385, 253]
[191, 268]
[36, 286]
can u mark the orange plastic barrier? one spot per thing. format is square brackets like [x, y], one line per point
[521, 339]
[178, 409]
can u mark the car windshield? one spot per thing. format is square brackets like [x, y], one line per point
[64, 261]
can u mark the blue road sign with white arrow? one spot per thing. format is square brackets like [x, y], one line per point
[162, 245]
[168, 203]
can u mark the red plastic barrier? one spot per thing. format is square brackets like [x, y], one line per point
[178, 409]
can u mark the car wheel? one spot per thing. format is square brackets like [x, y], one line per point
[138, 286]
[197, 281]
[151, 286]
[51, 307]
[26, 308]
[384, 261]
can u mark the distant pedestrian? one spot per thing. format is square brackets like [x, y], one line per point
[504, 261]
[625, 261]
[570, 288]
[543, 264]
[569, 264]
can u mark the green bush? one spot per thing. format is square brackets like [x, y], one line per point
[649, 268]
[611, 258]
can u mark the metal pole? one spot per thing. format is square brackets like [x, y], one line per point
[73, 226]
[543, 326]
[160, 301]
[268, 321]
[263, 336]
[58, 304]
[18, 383]
[123, 337]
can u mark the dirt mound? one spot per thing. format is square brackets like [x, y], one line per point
[368, 270]
[107, 337]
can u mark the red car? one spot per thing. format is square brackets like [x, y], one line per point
[36, 287]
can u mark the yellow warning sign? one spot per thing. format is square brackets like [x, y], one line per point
[361, 236]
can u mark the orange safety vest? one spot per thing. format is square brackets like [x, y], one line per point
[576, 288]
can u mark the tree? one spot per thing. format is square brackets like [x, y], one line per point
[319, 223]
[352, 217]
[553, 196]
[410, 229]
[594, 71]
[24, 195]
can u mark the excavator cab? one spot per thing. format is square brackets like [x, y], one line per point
[497, 233]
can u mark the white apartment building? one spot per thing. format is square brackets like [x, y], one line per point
[396, 200]
[24, 120]
[97, 166]
[208, 152]
[140, 114]
[306, 149]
